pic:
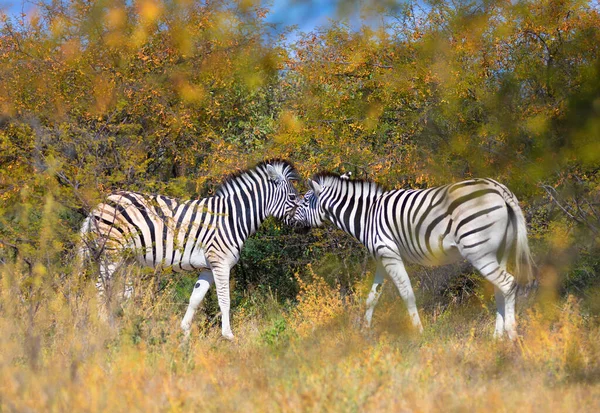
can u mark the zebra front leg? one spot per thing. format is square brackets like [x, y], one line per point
[204, 282]
[397, 272]
[374, 294]
[221, 276]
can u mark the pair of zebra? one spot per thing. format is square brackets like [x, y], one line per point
[479, 220]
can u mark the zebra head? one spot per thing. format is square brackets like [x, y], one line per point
[310, 213]
[285, 197]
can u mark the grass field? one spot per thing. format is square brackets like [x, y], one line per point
[56, 354]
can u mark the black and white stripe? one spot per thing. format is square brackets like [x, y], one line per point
[205, 234]
[478, 220]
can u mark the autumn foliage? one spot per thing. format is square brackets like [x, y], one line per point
[170, 96]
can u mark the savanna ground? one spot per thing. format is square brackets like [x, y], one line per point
[170, 96]
[57, 355]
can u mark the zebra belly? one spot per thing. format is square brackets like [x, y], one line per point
[443, 247]
[195, 261]
[433, 244]
[441, 256]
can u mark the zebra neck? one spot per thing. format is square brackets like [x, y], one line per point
[248, 208]
[351, 211]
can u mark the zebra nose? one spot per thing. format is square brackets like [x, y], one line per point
[289, 218]
[292, 212]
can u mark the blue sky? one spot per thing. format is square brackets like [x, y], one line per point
[306, 14]
[14, 6]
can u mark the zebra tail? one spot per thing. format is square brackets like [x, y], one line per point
[522, 254]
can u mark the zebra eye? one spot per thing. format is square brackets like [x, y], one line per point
[292, 197]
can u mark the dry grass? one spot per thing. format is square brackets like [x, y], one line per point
[57, 355]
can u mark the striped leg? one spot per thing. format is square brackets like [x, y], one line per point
[508, 287]
[374, 294]
[395, 268]
[509, 290]
[505, 289]
[204, 282]
[221, 276]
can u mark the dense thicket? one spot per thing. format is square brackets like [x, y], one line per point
[170, 96]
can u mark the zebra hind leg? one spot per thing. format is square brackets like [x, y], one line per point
[374, 294]
[505, 289]
[500, 307]
[204, 282]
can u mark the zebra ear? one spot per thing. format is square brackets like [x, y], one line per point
[274, 175]
[314, 185]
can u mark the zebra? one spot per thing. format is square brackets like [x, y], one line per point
[479, 220]
[206, 234]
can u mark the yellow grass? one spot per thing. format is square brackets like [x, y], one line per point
[56, 354]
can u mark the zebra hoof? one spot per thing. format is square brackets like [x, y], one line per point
[228, 336]
[186, 327]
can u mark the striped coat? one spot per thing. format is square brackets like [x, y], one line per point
[478, 220]
[204, 235]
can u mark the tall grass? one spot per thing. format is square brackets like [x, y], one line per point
[57, 354]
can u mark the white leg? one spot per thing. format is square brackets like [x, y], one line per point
[105, 283]
[200, 288]
[499, 331]
[221, 276]
[395, 268]
[510, 322]
[374, 294]
[505, 289]
[128, 288]
[107, 269]
[104, 286]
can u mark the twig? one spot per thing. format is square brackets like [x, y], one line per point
[579, 219]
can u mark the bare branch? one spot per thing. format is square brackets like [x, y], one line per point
[579, 217]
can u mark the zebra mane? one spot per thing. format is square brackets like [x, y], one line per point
[285, 167]
[333, 179]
